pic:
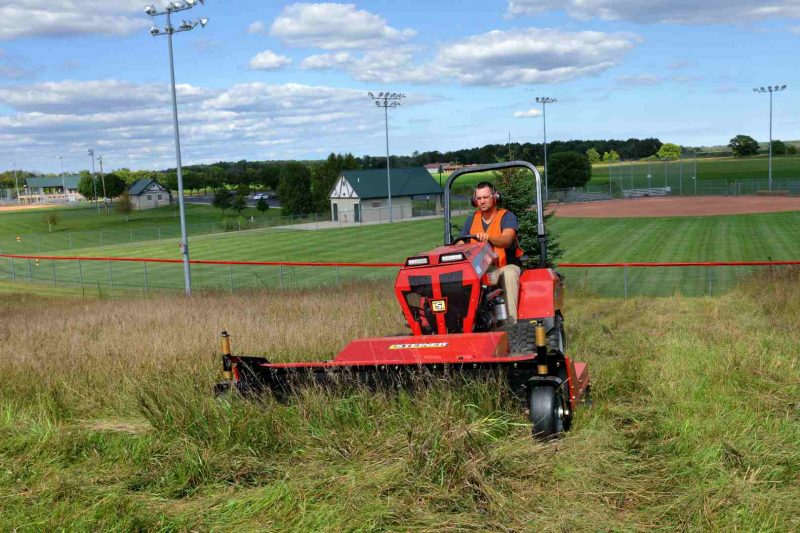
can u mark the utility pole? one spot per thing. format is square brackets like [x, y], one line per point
[544, 100]
[94, 181]
[387, 100]
[770, 89]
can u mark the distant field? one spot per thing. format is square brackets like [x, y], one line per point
[769, 236]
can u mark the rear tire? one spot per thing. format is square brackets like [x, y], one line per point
[546, 411]
[521, 337]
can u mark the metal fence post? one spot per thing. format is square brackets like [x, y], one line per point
[708, 276]
[53, 266]
[146, 285]
[13, 271]
[101, 239]
[230, 277]
[30, 272]
[131, 231]
[337, 275]
[80, 274]
[159, 233]
[280, 270]
[110, 276]
[626, 280]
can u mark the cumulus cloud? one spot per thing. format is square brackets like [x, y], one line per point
[60, 18]
[676, 11]
[499, 58]
[333, 26]
[132, 125]
[530, 113]
[268, 60]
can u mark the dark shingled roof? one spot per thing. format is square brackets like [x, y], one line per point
[70, 181]
[405, 182]
[140, 185]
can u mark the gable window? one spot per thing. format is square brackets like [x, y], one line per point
[149, 196]
[159, 197]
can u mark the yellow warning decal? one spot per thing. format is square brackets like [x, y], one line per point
[439, 306]
[411, 346]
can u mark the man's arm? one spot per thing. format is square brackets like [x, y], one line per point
[509, 226]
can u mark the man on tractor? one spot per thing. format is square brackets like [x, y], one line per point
[499, 227]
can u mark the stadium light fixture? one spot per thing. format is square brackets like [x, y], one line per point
[168, 30]
[770, 89]
[385, 99]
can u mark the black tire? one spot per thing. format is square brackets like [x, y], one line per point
[556, 338]
[521, 337]
[546, 411]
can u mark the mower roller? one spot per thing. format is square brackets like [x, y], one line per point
[459, 326]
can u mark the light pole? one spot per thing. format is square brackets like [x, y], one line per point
[63, 186]
[544, 100]
[16, 183]
[387, 100]
[103, 179]
[173, 7]
[94, 180]
[770, 89]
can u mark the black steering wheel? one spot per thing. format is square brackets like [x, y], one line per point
[464, 238]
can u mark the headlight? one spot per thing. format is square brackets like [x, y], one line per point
[451, 258]
[417, 261]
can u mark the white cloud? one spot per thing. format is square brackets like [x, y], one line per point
[326, 61]
[58, 18]
[334, 27]
[267, 60]
[795, 29]
[132, 125]
[498, 58]
[530, 113]
[675, 11]
[257, 27]
[640, 80]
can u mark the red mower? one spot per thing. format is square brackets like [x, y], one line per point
[459, 326]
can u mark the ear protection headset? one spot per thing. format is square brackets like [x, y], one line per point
[483, 185]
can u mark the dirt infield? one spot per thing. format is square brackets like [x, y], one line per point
[678, 206]
[13, 207]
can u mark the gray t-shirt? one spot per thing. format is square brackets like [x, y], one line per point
[509, 220]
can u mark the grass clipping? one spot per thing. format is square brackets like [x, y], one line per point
[107, 421]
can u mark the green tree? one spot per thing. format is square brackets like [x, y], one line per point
[239, 203]
[791, 150]
[743, 146]
[294, 189]
[779, 148]
[223, 199]
[262, 205]
[114, 185]
[593, 155]
[516, 188]
[51, 219]
[324, 177]
[669, 152]
[124, 205]
[87, 186]
[568, 169]
[613, 156]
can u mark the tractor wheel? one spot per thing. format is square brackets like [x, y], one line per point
[521, 337]
[546, 411]
[556, 338]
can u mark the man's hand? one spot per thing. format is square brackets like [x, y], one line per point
[482, 237]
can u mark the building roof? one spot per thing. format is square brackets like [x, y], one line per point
[71, 182]
[405, 182]
[141, 185]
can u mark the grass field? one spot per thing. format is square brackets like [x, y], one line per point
[758, 237]
[107, 422]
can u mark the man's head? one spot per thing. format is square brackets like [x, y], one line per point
[485, 197]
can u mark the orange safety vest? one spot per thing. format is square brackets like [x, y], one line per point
[494, 230]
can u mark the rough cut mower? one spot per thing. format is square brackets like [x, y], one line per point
[459, 325]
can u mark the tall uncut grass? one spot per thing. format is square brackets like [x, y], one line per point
[107, 421]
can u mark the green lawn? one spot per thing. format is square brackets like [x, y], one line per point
[770, 236]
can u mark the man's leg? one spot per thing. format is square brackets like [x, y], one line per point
[509, 281]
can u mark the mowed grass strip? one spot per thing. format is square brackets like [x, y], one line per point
[107, 421]
[758, 237]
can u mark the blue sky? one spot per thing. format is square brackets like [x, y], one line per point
[282, 80]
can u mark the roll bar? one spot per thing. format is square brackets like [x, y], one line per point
[500, 166]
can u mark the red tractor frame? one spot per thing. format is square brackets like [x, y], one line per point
[459, 326]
